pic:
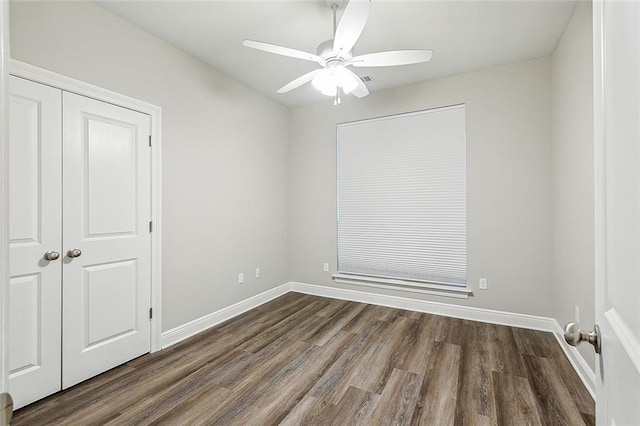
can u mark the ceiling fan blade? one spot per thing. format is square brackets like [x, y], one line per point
[351, 25]
[361, 89]
[284, 51]
[391, 58]
[299, 81]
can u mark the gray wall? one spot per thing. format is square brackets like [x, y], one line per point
[572, 174]
[225, 168]
[509, 180]
[232, 191]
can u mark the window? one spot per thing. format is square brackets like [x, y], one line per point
[402, 201]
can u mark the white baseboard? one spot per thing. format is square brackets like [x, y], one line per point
[456, 311]
[533, 322]
[586, 374]
[198, 325]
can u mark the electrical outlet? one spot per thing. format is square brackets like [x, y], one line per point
[240, 278]
[257, 272]
[325, 267]
[577, 315]
[484, 284]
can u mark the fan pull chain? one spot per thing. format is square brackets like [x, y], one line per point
[337, 100]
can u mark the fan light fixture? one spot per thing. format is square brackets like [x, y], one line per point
[332, 80]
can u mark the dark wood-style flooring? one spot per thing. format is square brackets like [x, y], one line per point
[304, 360]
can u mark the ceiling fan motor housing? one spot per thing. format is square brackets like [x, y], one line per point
[325, 51]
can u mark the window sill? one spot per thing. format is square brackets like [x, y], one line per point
[413, 287]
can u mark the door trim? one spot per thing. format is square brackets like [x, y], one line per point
[68, 84]
[599, 193]
[4, 191]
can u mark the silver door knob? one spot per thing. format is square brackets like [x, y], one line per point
[74, 253]
[574, 336]
[51, 255]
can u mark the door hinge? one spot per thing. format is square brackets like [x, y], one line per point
[150, 226]
[150, 313]
[149, 140]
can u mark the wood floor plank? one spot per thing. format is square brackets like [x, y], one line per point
[455, 332]
[411, 314]
[334, 305]
[382, 354]
[232, 408]
[311, 411]
[364, 319]
[272, 357]
[398, 399]
[333, 325]
[436, 403]
[147, 387]
[174, 399]
[515, 402]
[302, 359]
[265, 315]
[192, 343]
[93, 415]
[355, 408]
[383, 313]
[283, 327]
[441, 326]
[589, 419]
[335, 382]
[555, 404]
[237, 368]
[504, 354]
[416, 344]
[533, 342]
[246, 373]
[275, 404]
[196, 409]
[278, 393]
[241, 368]
[578, 391]
[541, 344]
[475, 397]
[276, 306]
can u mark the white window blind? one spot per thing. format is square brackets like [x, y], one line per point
[402, 197]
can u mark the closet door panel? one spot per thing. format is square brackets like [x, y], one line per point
[111, 172]
[107, 208]
[35, 192]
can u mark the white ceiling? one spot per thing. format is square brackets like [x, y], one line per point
[464, 36]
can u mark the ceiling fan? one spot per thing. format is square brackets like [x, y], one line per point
[336, 55]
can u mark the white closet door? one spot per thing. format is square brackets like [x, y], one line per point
[106, 209]
[35, 168]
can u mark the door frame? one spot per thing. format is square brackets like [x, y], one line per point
[599, 192]
[4, 191]
[42, 76]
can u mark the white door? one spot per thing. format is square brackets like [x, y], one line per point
[107, 209]
[617, 119]
[35, 151]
